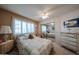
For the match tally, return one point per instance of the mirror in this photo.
(51, 27)
(48, 27)
(43, 28)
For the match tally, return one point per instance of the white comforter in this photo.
(36, 46)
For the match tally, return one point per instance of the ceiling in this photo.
(33, 11)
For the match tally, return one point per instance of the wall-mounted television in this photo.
(71, 23)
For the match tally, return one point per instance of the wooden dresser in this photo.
(70, 41)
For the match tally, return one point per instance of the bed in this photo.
(35, 46)
(52, 35)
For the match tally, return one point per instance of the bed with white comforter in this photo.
(36, 46)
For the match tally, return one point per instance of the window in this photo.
(17, 27)
(28, 26)
(43, 28)
(32, 27)
(21, 27)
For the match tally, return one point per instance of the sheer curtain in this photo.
(22, 27)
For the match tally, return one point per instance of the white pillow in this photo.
(26, 36)
(22, 37)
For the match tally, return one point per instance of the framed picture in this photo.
(71, 23)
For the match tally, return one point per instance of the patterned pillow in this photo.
(30, 36)
(1, 40)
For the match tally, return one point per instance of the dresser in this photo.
(70, 41)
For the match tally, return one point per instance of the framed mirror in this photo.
(51, 27)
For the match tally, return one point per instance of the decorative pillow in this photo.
(1, 39)
(26, 36)
(34, 35)
(42, 36)
(22, 37)
(30, 36)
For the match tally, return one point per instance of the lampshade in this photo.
(5, 30)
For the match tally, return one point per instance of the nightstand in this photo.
(6, 46)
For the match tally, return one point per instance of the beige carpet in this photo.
(61, 51)
(58, 50)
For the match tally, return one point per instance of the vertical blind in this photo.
(22, 27)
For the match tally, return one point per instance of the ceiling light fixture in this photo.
(44, 15)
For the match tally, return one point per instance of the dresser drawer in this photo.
(69, 46)
(70, 43)
(69, 39)
(78, 43)
(69, 35)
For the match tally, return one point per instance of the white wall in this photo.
(59, 23)
(71, 15)
(50, 28)
(48, 21)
